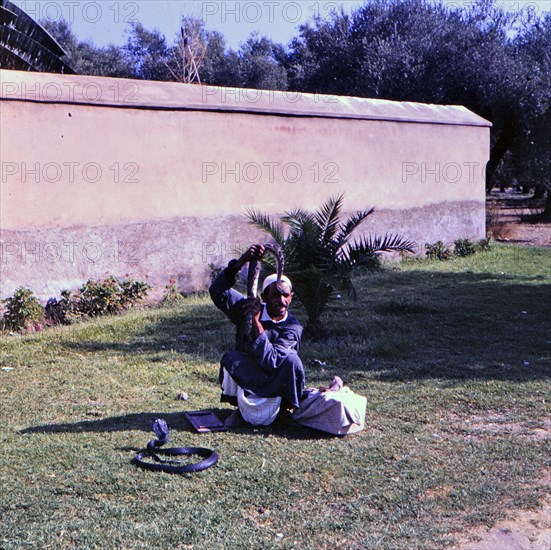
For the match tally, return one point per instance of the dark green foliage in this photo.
(99, 297)
(133, 292)
(463, 247)
(437, 251)
(319, 257)
(148, 53)
(528, 163)
(63, 311)
(25, 45)
(109, 296)
(88, 59)
(22, 310)
(93, 299)
(257, 65)
(96, 298)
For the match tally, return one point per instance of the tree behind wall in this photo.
(87, 59)
(495, 63)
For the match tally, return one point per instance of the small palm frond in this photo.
(362, 252)
(26, 45)
(303, 246)
(327, 217)
(388, 243)
(264, 222)
(296, 219)
(350, 225)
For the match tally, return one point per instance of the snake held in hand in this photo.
(252, 283)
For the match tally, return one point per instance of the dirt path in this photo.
(523, 530)
(532, 234)
(512, 217)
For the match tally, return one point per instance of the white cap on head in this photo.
(273, 279)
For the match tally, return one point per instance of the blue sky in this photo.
(106, 21)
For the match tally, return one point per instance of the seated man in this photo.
(264, 373)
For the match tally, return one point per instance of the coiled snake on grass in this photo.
(253, 275)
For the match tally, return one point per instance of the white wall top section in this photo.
(141, 94)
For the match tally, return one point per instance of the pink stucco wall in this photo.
(152, 179)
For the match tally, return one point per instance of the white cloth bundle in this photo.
(336, 412)
(258, 411)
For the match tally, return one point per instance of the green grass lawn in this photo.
(453, 357)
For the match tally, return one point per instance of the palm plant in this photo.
(27, 46)
(319, 256)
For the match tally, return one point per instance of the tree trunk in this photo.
(504, 141)
(546, 214)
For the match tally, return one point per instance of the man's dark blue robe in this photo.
(269, 366)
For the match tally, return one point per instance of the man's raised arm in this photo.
(221, 292)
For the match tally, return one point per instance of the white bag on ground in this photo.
(336, 412)
(258, 411)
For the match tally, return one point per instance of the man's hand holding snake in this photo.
(254, 307)
(255, 252)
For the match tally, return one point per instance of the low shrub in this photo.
(463, 247)
(63, 311)
(171, 295)
(99, 297)
(109, 296)
(96, 298)
(133, 292)
(93, 299)
(22, 310)
(437, 251)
